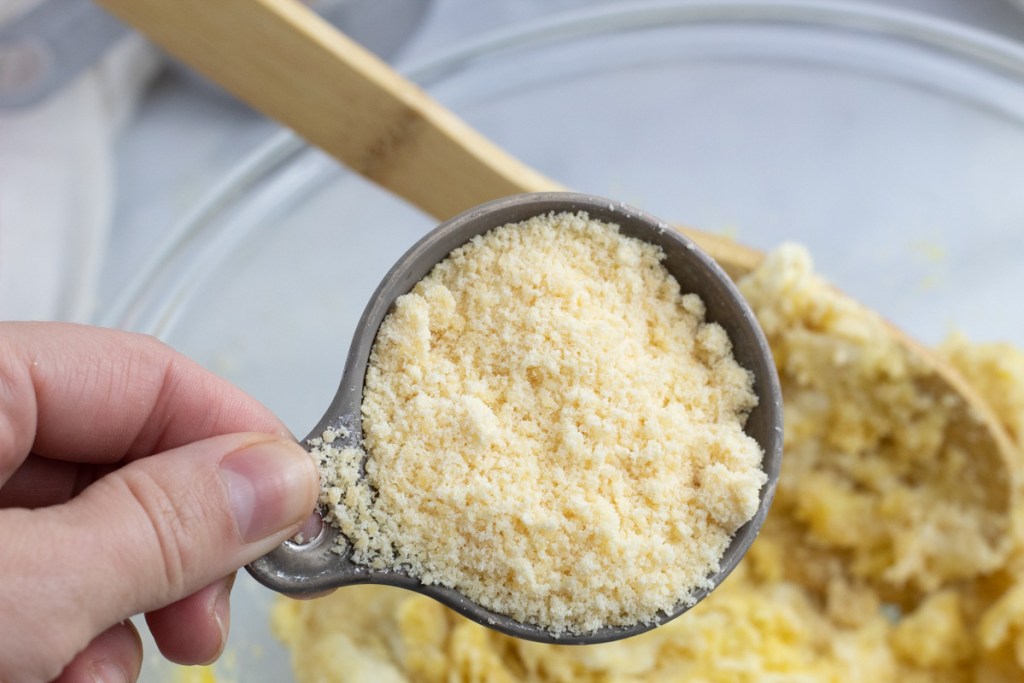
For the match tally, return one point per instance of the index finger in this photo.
(86, 394)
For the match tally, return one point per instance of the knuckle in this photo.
(173, 525)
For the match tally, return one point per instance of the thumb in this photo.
(163, 527)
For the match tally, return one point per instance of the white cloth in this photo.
(56, 184)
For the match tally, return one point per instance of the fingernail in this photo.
(270, 488)
(108, 672)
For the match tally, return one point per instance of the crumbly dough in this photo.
(876, 473)
(853, 583)
(553, 429)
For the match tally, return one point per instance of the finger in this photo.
(41, 481)
(171, 524)
(147, 535)
(87, 394)
(193, 630)
(114, 656)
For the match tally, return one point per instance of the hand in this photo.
(131, 481)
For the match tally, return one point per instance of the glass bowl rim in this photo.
(974, 45)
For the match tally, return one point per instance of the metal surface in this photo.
(315, 567)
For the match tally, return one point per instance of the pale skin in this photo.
(132, 481)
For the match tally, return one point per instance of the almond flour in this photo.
(812, 600)
(552, 428)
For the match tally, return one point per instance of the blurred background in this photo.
(105, 144)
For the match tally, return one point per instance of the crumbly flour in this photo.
(552, 428)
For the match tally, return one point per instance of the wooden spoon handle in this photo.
(290, 64)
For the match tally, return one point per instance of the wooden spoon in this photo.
(285, 61)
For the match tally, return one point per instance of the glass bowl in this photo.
(889, 143)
